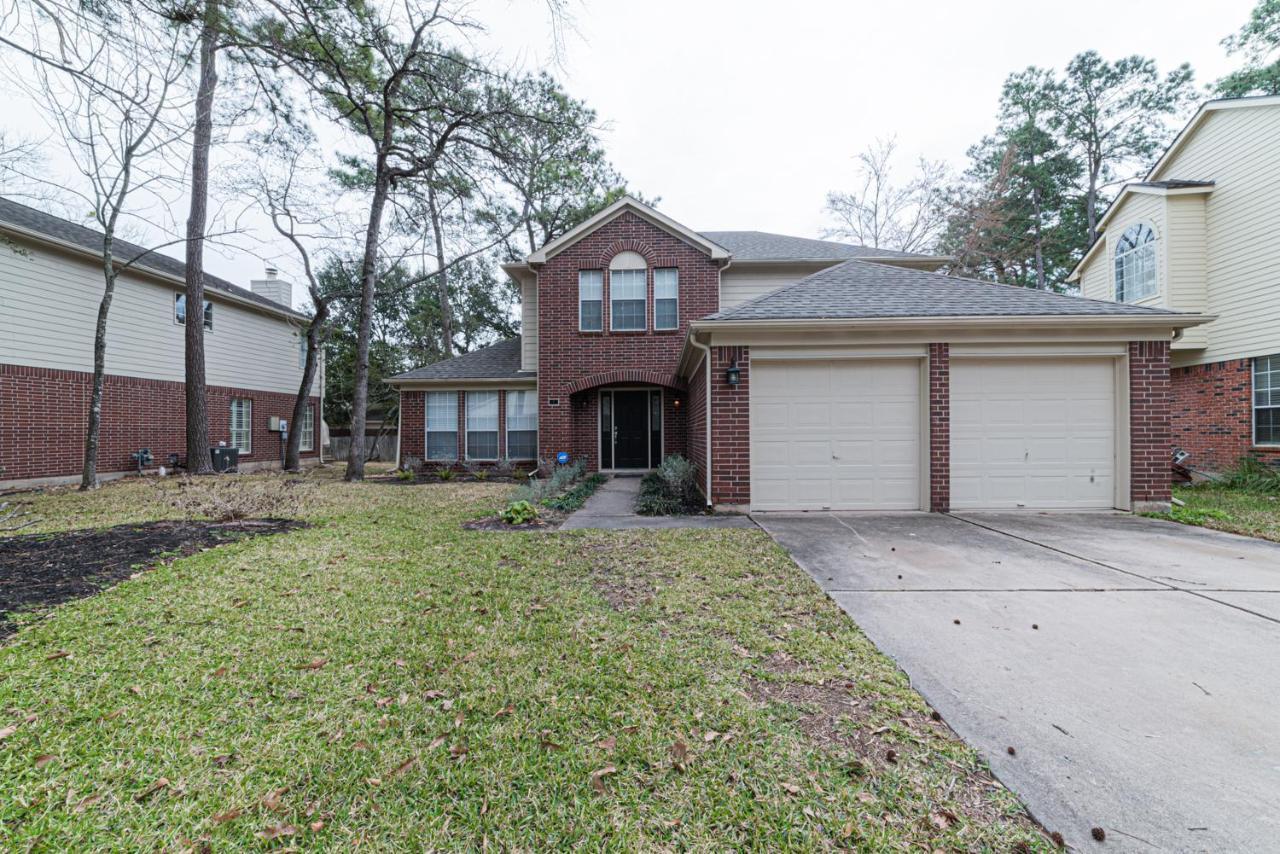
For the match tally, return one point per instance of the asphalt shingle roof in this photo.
(764, 246)
(497, 361)
(858, 289)
(38, 221)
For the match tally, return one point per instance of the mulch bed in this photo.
(42, 570)
(422, 479)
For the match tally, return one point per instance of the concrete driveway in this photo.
(1133, 664)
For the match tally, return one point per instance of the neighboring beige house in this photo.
(1201, 234)
(50, 287)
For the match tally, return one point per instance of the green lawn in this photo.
(389, 680)
(1234, 510)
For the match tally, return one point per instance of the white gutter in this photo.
(706, 360)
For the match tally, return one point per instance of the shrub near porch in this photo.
(388, 679)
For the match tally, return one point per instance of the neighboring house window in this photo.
(1266, 400)
(1136, 264)
(442, 425)
(590, 300)
(242, 424)
(666, 298)
(626, 300)
(180, 311)
(482, 425)
(302, 351)
(308, 440)
(522, 425)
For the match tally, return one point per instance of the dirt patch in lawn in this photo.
(833, 718)
(618, 582)
(546, 522)
(42, 570)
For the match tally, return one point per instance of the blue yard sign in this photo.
(562, 458)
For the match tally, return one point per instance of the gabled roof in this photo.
(495, 362)
(1206, 109)
(765, 246)
(640, 209)
(37, 224)
(1174, 187)
(861, 289)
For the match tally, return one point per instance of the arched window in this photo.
(627, 292)
(1136, 264)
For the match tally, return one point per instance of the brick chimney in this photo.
(274, 288)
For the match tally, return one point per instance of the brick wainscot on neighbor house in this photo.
(804, 374)
(1201, 234)
(50, 287)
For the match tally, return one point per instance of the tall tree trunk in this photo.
(198, 458)
(315, 339)
(1091, 198)
(368, 279)
(89, 475)
(442, 277)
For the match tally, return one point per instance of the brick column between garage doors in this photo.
(939, 428)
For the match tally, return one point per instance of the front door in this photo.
(631, 429)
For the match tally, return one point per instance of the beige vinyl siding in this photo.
(1184, 259)
(529, 325)
(1237, 149)
(743, 282)
(48, 310)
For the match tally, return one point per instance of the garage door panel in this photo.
(855, 447)
(1033, 433)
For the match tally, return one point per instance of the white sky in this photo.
(743, 115)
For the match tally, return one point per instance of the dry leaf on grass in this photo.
(85, 803)
(224, 817)
(314, 664)
(607, 743)
(62, 653)
(8, 731)
(597, 778)
(44, 759)
(276, 831)
(162, 783)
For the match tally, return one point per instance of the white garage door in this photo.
(835, 435)
(1032, 433)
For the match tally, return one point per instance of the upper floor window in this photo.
(628, 292)
(1136, 264)
(180, 311)
(590, 300)
(666, 298)
(1266, 400)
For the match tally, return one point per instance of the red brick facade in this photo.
(1150, 438)
(573, 365)
(939, 428)
(1213, 414)
(413, 429)
(730, 427)
(43, 416)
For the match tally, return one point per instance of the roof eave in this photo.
(456, 382)
(573, 235)
(1160, 321)
(1114, 208)
(142, 270)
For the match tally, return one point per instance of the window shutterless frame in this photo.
(242, 424)
(180, 312)
(633, 283)
(666, 298)
(1265, 401)
(307, 442)
(590, 300)
(441, 420)
(482, 426)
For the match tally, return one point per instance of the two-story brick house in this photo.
(806, 374)
(1200, 234)
(50, 288)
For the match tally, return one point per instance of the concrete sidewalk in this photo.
(613, 508)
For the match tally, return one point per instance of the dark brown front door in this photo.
(631, 429)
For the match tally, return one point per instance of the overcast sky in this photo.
(743, 115)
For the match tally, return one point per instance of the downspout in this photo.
(706, 360)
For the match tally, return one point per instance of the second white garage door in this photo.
(835, 435)
(1035, 433)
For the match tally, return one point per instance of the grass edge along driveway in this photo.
(389, 680)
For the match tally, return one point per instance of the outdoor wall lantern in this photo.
(733, 375)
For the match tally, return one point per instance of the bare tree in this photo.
(110, 90)
(884, 214)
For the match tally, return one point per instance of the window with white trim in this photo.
(1266, 400)
(482, 425)
(242, 424)
(180, 311)
(442, 425)
(590, 300)
(522, 425)
(666, 298)
(1136, 264)
(302, 351)
(626, 300)
(308, 440)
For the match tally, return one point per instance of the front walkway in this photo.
(1115, 671)
(613, 507)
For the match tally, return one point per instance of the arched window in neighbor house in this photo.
(1136, 264)
(628, 292)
